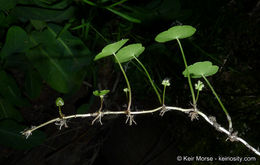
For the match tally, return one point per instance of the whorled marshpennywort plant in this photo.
(101, 95)
(131, 52)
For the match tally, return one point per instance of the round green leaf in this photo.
(110, 49)
(201, 68)
(128, 52)
(180, 32)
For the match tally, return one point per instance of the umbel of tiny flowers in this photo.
(198, 86)
(165, 83)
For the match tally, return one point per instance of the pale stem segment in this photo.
(164, 89)
(232, 136)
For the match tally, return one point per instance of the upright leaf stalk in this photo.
(189, 79)
(221, 104)
(127, 82)
(151, 81)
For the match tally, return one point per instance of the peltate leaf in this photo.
(128, 52)
(110, 49)
(201, 68)
(180, 32)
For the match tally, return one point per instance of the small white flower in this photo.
(125, 90)
(199, 86)
(166, 82)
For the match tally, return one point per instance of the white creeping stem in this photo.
(231, 136)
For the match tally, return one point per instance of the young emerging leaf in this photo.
(180, 32)
(101, 93)
(104, 92)
(110, 49)
(96, 93)
(128, 52)
(201, 68)
(59, 102)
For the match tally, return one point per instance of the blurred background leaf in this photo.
(33, 84)
(16, 41)
(9, 90)
(27, 13)
(6, 5)
(60, 58)
(8, 111)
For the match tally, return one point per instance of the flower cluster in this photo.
(166, 82)
(199, 86)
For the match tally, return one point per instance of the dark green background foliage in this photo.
(47, 49)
